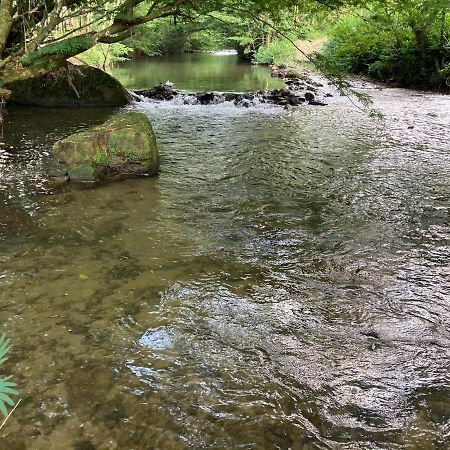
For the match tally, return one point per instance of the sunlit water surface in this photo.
(283, 284)
(196, 72)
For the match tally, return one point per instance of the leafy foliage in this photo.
(103, 55)
(6, 386)
(166, 37)
(409, 45)
(279, 50)
(68, 47)
(38, 36)
(405, 41)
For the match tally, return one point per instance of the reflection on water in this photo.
(196, 72)
(156, 338)
(283, 283)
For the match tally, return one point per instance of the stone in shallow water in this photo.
(309, 96)
(205, 98)
(83, 445)
(124, 145)
(160, 92)
(370, 332)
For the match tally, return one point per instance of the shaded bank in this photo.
(70, 86)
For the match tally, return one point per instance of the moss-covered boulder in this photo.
(70, 86)
(123, 146)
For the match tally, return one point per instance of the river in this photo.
(195, 72)
(283, 284)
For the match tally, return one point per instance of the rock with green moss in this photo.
(70, 86)
(123, 146)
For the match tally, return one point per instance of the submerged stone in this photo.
(230, 96)
(125, 145)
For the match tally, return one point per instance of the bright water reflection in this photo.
(196, 72)
(283, 284)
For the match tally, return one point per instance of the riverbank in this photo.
(306, 47)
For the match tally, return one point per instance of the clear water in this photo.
(196, 72)
(283, 284)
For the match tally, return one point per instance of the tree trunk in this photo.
(268, 39)
(419, 34)
(6, 21)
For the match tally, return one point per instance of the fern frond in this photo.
(4, 398)
(6, 386)
(4, 347)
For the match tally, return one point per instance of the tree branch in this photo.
(117, 38)
(119, 25)
(53, 19)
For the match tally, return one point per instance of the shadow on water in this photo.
(28, 134)
(283, 283)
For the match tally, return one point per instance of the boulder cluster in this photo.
(301, 89)
(301, 84)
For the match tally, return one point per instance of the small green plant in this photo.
(99, 157)
(279, 50)
(6, 386)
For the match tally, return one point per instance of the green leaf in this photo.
(6, 386)
(5, 399)
(7, 390)
(3, 409)
(4, 347)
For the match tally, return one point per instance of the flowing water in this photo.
(283, 284)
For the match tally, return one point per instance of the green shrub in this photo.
(279, 50)
(391, 48)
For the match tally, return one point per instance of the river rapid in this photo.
(283, 284)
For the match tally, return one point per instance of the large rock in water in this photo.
(125, 145)
(70, 86)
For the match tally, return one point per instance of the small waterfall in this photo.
(276, 97)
